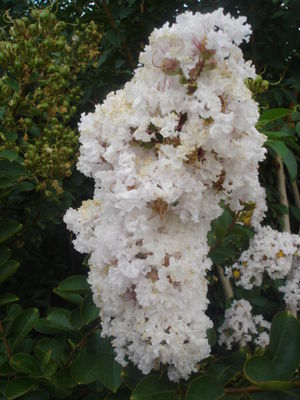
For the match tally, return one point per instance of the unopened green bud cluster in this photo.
(41, 59)
(257, 85)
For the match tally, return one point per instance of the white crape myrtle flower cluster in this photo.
(163, 152)
(241, 326)
(273, 254)
(291, 289)
(270, 252)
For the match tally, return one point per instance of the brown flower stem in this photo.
(80, 344)
(5, 342)
(113, 24)
(253, 388)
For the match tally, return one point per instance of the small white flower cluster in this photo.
(291, 289)
(242, 327)
(270, 252)
(163, 152)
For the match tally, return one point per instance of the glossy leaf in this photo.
(71, 297)
(23, 324)
(75, 284)
(260, 371)
(153, 388)
(85, 369)
(11, 169)
(60, 318)
(18, 387)
(89, 311)
(45, 345)
(25, 363)
(284, 345)
(286, 155)
(224, 369)
(64, 379)
(8, 269)
(7, 298)
(5, 253)
(8, 229)
(273, 114)
(204, 388)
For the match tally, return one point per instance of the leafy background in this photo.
(51, 346)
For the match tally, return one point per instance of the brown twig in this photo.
(81, 343)
(5, 342)
(253, 388)
(113, 24)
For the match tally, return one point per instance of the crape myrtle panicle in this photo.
(165, 151)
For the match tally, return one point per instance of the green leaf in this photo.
(89, 311)
(284, 345)
(25, 187)
(23, 324)
(64, 379)
(75, 284)
(61, 318)
(286, 155)
(96, 386)
(2, 111)
(85, 369)
(35, 130)
(131, 375)
(260, 371)
(5, 368)
(296, 212)
(26, 346)
(77, 319)
(109, 370)
(275, 135)
(7, 298)
(211, 336)
(297, 127)
(11, 169)
(219, 227)
(9, 155)
(153, 388)
(26, 363)
(37, 395)
(8, 229)
(18, 387)
(115, 37)
(45, 345)
(48, 366)
(6, 182)
(71, 297)
(224, 369)
(5, 253)
(12, 83)
(272, 115)
(8, 269)
(48, 328)
(204, 388)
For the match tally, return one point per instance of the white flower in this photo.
(163, 152)
(269, 252)
(242, 327)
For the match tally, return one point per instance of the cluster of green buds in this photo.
(257, 85)
(41, 60)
